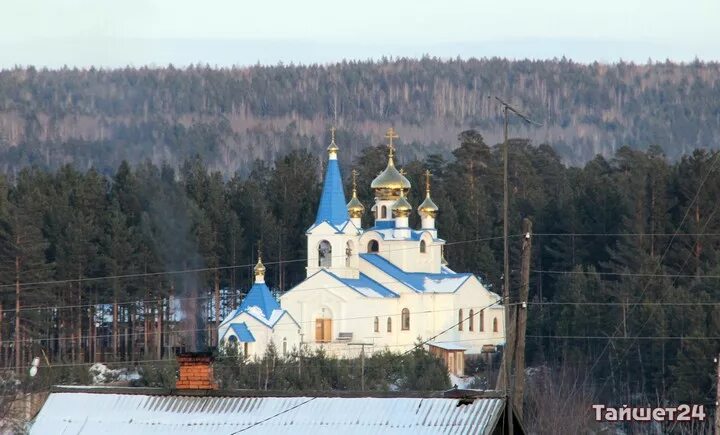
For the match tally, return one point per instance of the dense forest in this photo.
(624, 277)
(98, 118)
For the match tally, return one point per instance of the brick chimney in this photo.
(196, 371)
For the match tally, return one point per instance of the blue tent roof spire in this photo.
(332, 201)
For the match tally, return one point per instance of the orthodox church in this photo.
(378, 288)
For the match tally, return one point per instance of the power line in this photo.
(659, 265)
(620, 337)
(142, 333)
(648, 275)
(273, 416)
(207, 269)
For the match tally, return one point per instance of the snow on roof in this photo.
(121, 414)
(367, 286)
(444, 282)
(267, 321)
(242, 332)
(259, 296)
(448, 345)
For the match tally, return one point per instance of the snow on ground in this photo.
(101, 374)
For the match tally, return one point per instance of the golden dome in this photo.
(390, 181)
(401, 207)
(355, 207)
(333, 148)
(428, 206)
(259, 267)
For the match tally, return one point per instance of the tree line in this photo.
(98, 118)
(624, 266)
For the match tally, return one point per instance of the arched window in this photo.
(245, 349)
(460, 320)
(376, 325)
(481, 321)
(405, 321)
(325, 254)
(373, 246)
(389, 328)
(423, 246)
(495, 324)
(348, 253)
(383, 212)
(471, 325)
(284, 345)
(232, 339)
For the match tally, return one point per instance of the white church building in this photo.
(378, 288)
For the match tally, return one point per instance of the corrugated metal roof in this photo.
(124, 414)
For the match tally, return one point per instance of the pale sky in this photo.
(239, 32)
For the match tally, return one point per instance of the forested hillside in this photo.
(97, 118)
(625, 263)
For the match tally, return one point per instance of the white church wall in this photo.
(339, 243)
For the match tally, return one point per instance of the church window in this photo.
(373, 246)
(325, 254)
(460, 320)
(389, 328)
(481, 321)
(245, 349)
(284, 346)
(495, 325)
(232, 339)
(377, 324)
(405, 324)
(423, 246)
(383, 212)
(323, 330)
(471, 325)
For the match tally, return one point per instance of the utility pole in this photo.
(521, 316)
(362, 362)
(717, 397)
(505, 373)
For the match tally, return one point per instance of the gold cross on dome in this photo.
(354, 179)
(332, 133)
(427, 181)
(390, 135)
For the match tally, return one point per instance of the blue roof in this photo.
(242, 332)
(365, 283)
(444, 282)
(383, 225)
(259, 296)
(332, 206)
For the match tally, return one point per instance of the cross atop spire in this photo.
(354, 181)
(259, 268)
(390, 135)
(333, 148)
(427, 182)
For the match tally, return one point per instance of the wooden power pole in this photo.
(717, 397)
(521, 316)
(504, 377)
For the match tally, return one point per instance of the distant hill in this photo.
(233, 116)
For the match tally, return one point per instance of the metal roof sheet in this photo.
(332, 200)
(444, 282)
(242, 332)
(123, 414)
